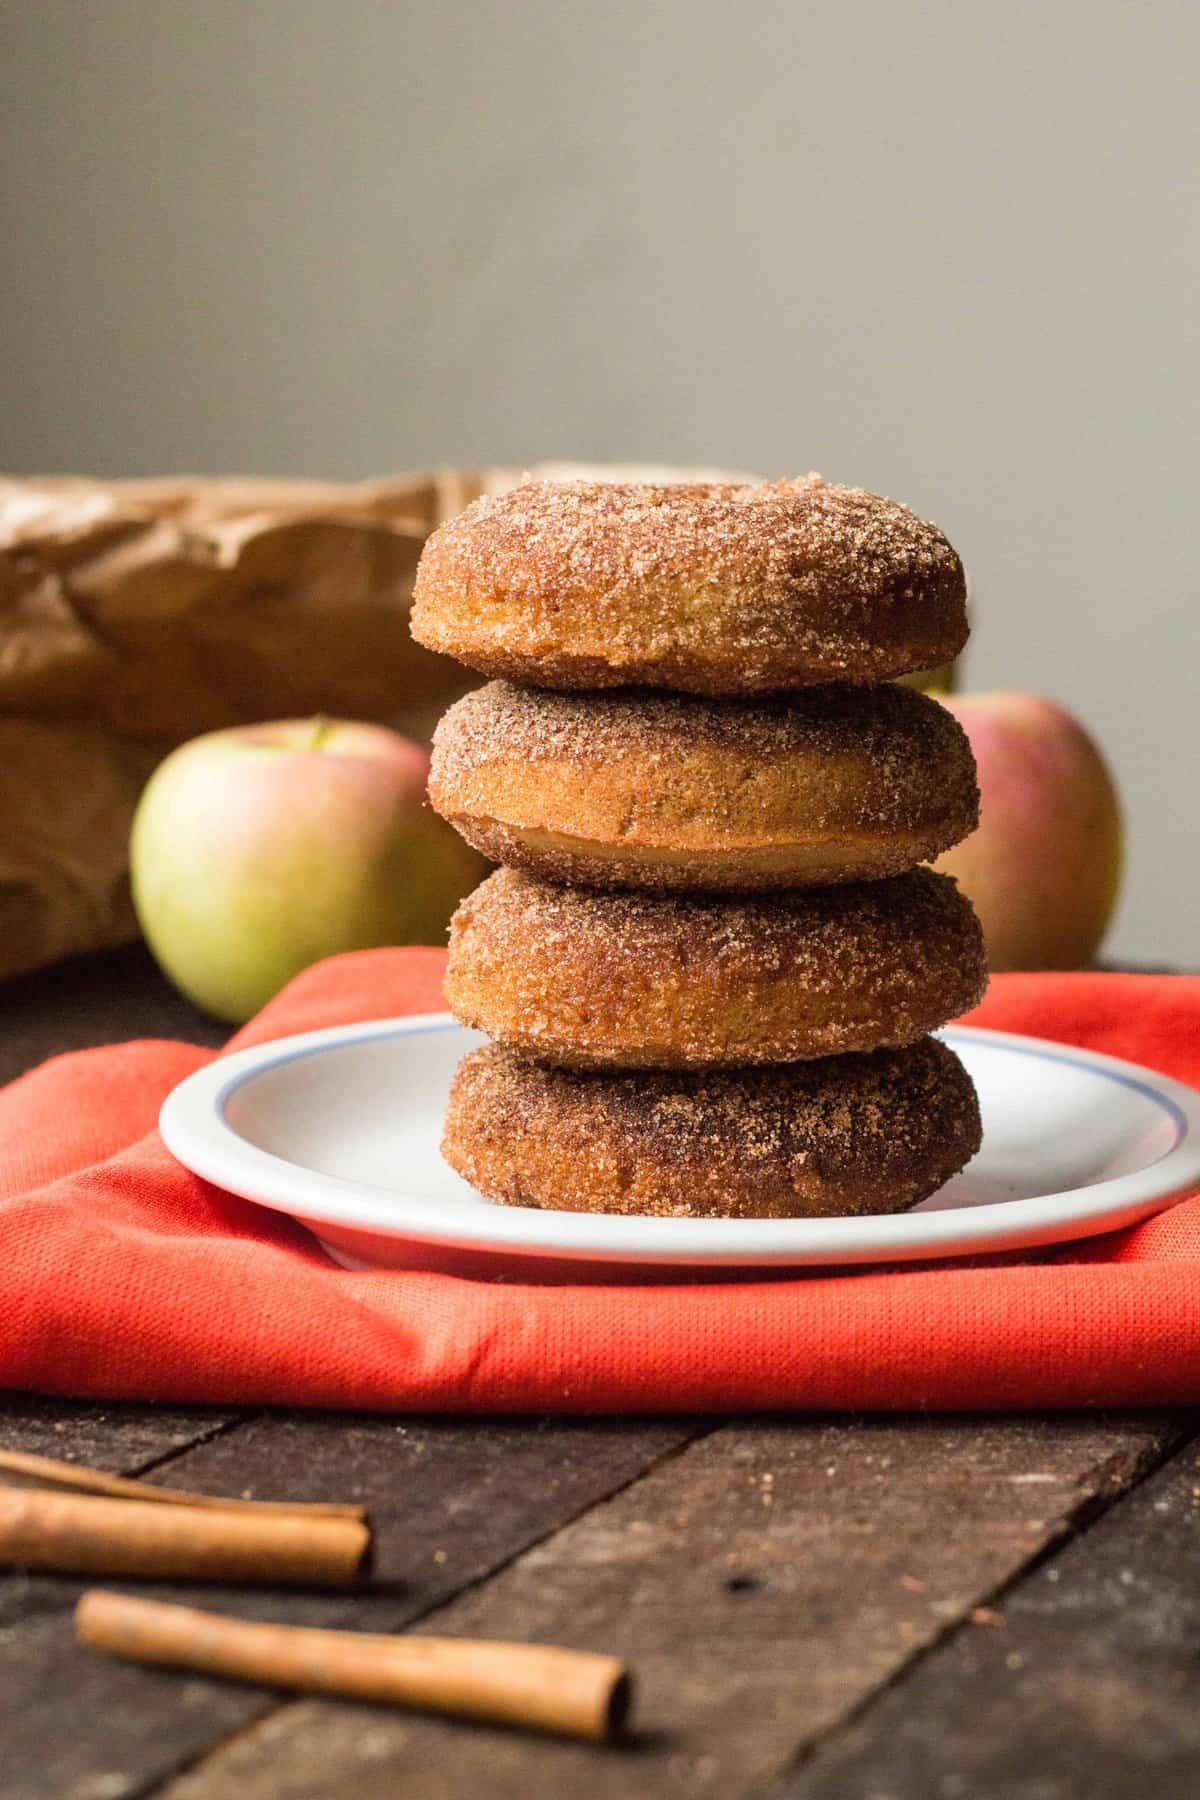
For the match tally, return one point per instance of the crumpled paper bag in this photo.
(136, 614)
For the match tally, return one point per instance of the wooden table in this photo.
(844, 1608)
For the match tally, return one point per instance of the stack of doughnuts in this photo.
(710, 960)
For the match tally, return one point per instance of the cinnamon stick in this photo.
(138, 1537)
(536, 1685)
(49, 1470)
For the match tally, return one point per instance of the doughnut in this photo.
(711, 588)
(863, 1133)
(643, 981)
(669, 791)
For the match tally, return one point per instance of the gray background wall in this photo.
(944, 248)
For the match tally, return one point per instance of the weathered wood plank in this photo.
(450, 1502)
(1090, 1686)
(123, 1440)
(95, 1000)
(760, 1583)
(126, 1440)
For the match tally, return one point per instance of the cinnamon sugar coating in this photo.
(707, 589)
(848, 1134)
(636, 789)
(640, 981)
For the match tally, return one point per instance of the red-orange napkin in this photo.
(123, 1276)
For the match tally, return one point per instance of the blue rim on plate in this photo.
(196, 1127)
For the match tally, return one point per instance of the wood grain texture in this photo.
(1086, 1684)
(760, 1584)
(123, 1440)
(450, 1501)
(55, 1475)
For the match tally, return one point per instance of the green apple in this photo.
(258, 850)
(1044, 867)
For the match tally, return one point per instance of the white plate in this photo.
(340, 1129)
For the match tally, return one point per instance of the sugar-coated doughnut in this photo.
(709, 589)
(846, 1134)
(641, 981)
(645, 790)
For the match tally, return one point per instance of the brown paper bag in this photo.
(136, 614)
(67, 795)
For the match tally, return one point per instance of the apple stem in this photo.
(321, 729)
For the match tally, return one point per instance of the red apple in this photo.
(1044, 867)
(258, 850)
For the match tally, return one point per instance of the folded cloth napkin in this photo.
(123, 1276)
